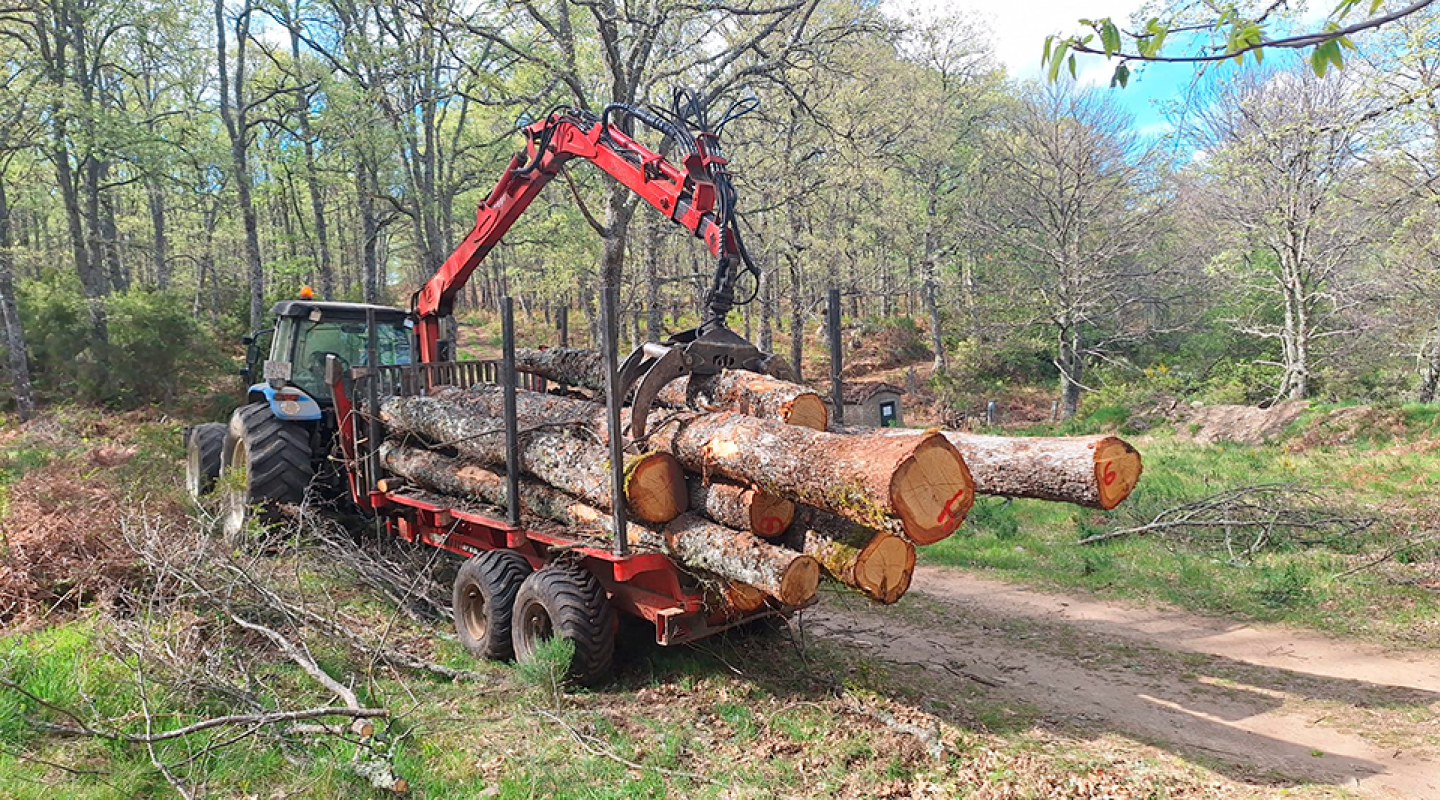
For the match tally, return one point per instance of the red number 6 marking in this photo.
(1107, 474)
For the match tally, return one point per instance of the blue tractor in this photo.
(278, 445)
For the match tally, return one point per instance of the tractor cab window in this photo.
(349, 341)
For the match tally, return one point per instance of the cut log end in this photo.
(807, 411)
(933, 491)
(1117, 470)
(800, 581)
(770, 516)
(742, 598)
(655, 487)
(885, 567)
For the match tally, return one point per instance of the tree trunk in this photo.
(874, 563)
(10, 316)
(1072, 366)
(797, 323)
(788, 576)
(914, 477)
(155, 196)
(931, 288)
(1091, 471)
(1431, 377)
(365, 181)
(741, 507)
(233, 112)
(654, 489)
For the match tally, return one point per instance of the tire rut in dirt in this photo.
(577, 608)
(484, 598)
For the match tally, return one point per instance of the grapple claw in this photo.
(694, 352)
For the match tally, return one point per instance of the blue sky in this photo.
(1016, 31)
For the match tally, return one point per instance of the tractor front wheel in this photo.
(203, 456)
(565, 600)
(267, 462)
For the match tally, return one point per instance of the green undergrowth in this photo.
(1391, 477)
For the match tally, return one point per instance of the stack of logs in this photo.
(740, 478)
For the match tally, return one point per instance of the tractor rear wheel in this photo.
(485, 589)
(565, 600)
(272, 459)
(203, 456)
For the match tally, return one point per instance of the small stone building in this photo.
(874, 405)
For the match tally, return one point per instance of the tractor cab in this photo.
(288, 361)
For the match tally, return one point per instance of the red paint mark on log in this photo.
(1108, 475)
(949, 512)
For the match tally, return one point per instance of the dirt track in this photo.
(1266, 706)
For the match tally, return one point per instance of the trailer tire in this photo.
(484, 599)
(565, 600)
(275, 457)
(203, 455)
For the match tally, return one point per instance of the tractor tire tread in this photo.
(499, 574)
(580, 611)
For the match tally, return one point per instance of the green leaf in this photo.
(1109, 37)
(1158, 41)
(1259, 55)
(1319, 61)
(1346, 43)
(1072, 67)
(1121, 77)
(1045, 57)
(1057, 58)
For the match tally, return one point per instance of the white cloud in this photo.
(1019, 27)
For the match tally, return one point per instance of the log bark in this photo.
(654, 489)
(1091, 471)
(748, 393)
(790, 577)
(875, 563)
(573, 366)
(915, 477)
(742, 507)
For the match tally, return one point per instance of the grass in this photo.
(1393, 476)
(756, 716)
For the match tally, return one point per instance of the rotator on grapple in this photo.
(697, 194)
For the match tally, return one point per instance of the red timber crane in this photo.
(696, 194)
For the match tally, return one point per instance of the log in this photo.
(788, 576)
(654, 487)
(572, 366)
(877, 564)
(742, 507)
(584, 368)
(1091, 471)
(915, 477)
(748, 393)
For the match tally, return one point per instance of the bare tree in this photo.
(1069, 204)
(1279, 150)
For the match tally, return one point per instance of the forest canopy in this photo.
(168, 171)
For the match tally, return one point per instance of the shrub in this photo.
(155, 346)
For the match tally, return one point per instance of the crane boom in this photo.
(686, 193)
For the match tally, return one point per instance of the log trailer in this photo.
(521, 583)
